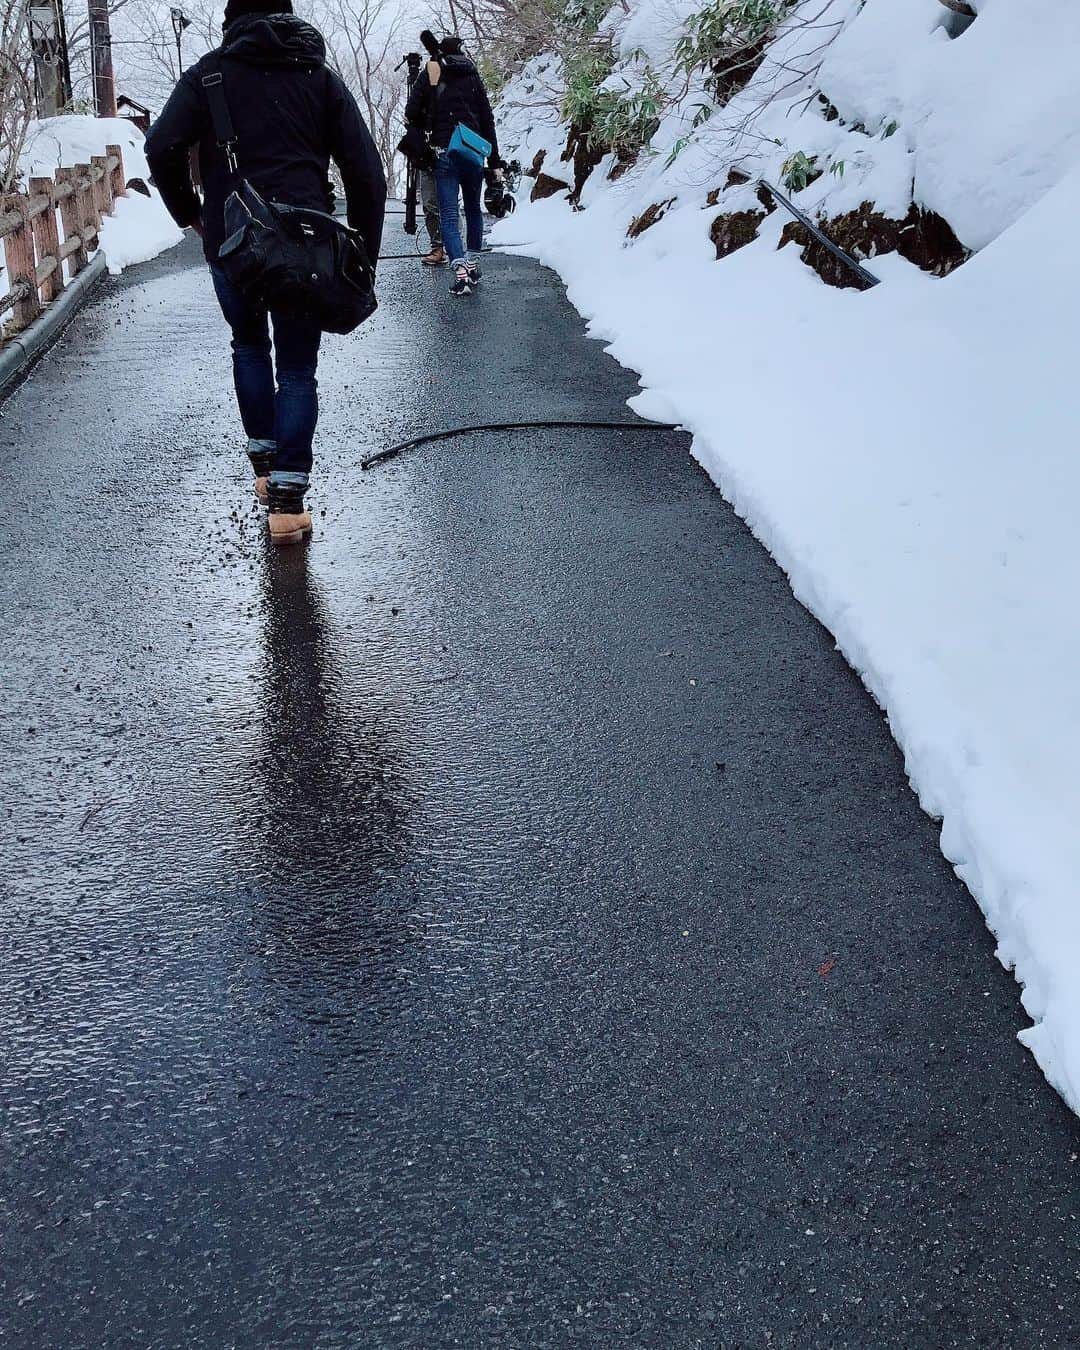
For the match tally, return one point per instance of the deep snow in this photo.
(909, 455)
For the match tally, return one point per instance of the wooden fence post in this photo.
(46, 237)
(102, 185)
(71, 221)
(89, 220)
(119, 182)
(19, 258)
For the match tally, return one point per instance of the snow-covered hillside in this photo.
(910, 454)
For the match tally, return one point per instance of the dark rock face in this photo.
(648, 218)
(734, 229)
(546, 186)
(624, 161)
(585, 152)
(922, 237)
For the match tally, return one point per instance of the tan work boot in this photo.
(289, 527)
(260, 489)
(436, 258)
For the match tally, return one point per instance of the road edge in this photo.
(24, 349)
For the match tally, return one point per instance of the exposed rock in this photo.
(546, 186)
(713, 197)
(586, 154)
(764, 196)
(922, 237)
(929, 241)
(624, 161)
(734, 229)
(534, 168)
(732, 74)
(829, 268)
(736, 178)
(138, 185)
(648, 218)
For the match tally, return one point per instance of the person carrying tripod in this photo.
(290, 116)
(451, 104)
(421, 178)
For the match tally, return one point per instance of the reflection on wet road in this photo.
(417, 939)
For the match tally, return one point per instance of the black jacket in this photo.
(291, 116)
(460, 96)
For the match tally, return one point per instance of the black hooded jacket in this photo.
(291, 116)
(459, 97)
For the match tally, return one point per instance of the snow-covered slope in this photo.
(992, 119)
(908, 454)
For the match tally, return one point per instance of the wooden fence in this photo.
(34, 251)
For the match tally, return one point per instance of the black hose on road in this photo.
(543, 425)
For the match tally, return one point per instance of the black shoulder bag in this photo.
(415, 146)
(291, 258)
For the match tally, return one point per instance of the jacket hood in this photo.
(457, 67)
(273, 40)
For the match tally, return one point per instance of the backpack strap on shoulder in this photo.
(224, 131)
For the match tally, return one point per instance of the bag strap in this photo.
(224, 131)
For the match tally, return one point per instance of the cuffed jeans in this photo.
(283, 415)
(454, 173)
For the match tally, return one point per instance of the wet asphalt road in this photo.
(504, 922)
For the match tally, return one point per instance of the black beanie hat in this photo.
(236, 9)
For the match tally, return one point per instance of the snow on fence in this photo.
(72, 202)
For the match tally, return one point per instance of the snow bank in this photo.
(140, 228)
(917, 473)
(57, 142)
(994, 116)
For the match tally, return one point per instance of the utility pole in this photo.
(101, 59)
(48, 42)
(65, 56)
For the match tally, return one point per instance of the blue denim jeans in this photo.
(285, 414)
(454, 173)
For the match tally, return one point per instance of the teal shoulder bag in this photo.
(469, 146)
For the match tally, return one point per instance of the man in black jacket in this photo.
(451, 94)
(292, 116)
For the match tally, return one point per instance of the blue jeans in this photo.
(452, 173)
(284, 415)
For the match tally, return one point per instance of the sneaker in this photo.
(436, 258)
(462, 281)
(473, 269)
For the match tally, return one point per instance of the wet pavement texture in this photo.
(502, 922)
